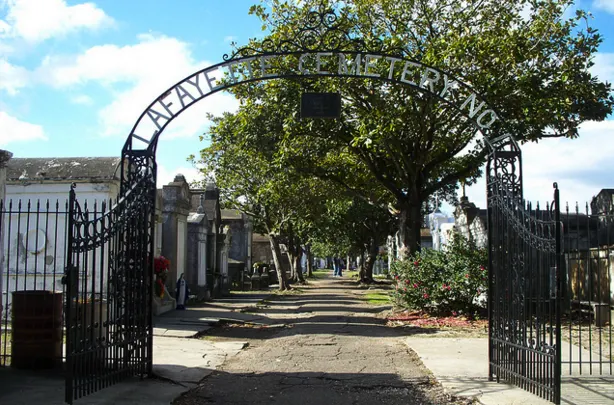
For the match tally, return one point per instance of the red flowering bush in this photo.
(442, 281)
(161, 267)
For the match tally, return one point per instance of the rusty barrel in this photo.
(36, 329)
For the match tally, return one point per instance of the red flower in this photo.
(161, 264)
(415, 285)
(425, 295)
(406, 281)
(404, 288)
(416, 263)
(454, 313)
(467, 275)
(396, 277)
(482, 268)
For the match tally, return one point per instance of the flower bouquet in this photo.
(161, 268)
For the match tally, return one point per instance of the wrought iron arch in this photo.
(127, 230)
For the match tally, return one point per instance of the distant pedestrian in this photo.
(337, 267)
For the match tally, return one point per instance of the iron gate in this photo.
(108, 309)
(524, 282)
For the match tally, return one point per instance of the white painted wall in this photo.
(34, 255)
(437, 221)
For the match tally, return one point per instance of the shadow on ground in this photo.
(21, 387)
(315, 388)
(327, 306)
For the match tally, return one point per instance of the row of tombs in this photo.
(213, 248)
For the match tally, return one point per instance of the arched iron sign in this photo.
(126, 232)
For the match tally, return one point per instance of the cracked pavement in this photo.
(334, 349)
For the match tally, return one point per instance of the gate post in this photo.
(69, 281)
(489, 303)
(559, 296)
(5, 156)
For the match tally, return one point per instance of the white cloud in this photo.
(38, 20)
(165, 175)
(604, 66)
(82, 99)
(607, 5)
(148, 67)
(230, 38)
(581, 167)
(14, 130)
(12, 78)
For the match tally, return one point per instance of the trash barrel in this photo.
(36, 324)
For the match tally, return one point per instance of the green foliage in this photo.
(442, 281)
(395, 147)
(377, 298)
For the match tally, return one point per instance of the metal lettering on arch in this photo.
(121, 237)
(280, 65)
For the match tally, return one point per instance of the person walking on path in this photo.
(337, 272)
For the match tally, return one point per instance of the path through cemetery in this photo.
(334, 349)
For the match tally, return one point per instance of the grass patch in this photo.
(293, 291)
(319, 273)
(377, 298)
(5, 351)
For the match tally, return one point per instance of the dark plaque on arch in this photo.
(320, 105)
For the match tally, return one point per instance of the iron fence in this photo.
(588, 255)
(523, 308)
(35, 242)
(34, 258)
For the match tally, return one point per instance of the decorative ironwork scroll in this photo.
(120, 241)
(524, 254)
(321, 30)
(109, 283)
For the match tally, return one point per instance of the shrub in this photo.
(448, 281)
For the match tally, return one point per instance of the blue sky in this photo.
(75, 76)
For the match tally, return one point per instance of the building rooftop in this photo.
(67, 169)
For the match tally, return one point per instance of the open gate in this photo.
(110, 249)
(108, 309)
(524, 280)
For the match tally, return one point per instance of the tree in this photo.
(353, 227)
(533, 69)
(282, 204)
(248, 182)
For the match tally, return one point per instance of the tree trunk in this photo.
(410, 223)
(298, 269)
(291, 261)
(309, 261)
(361, 265)
(370, 261)
(281, 273)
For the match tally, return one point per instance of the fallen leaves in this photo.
(423, 320)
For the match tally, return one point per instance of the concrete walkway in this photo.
(324, 346)
(180, 362)
(334, 349)
(461, 366)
